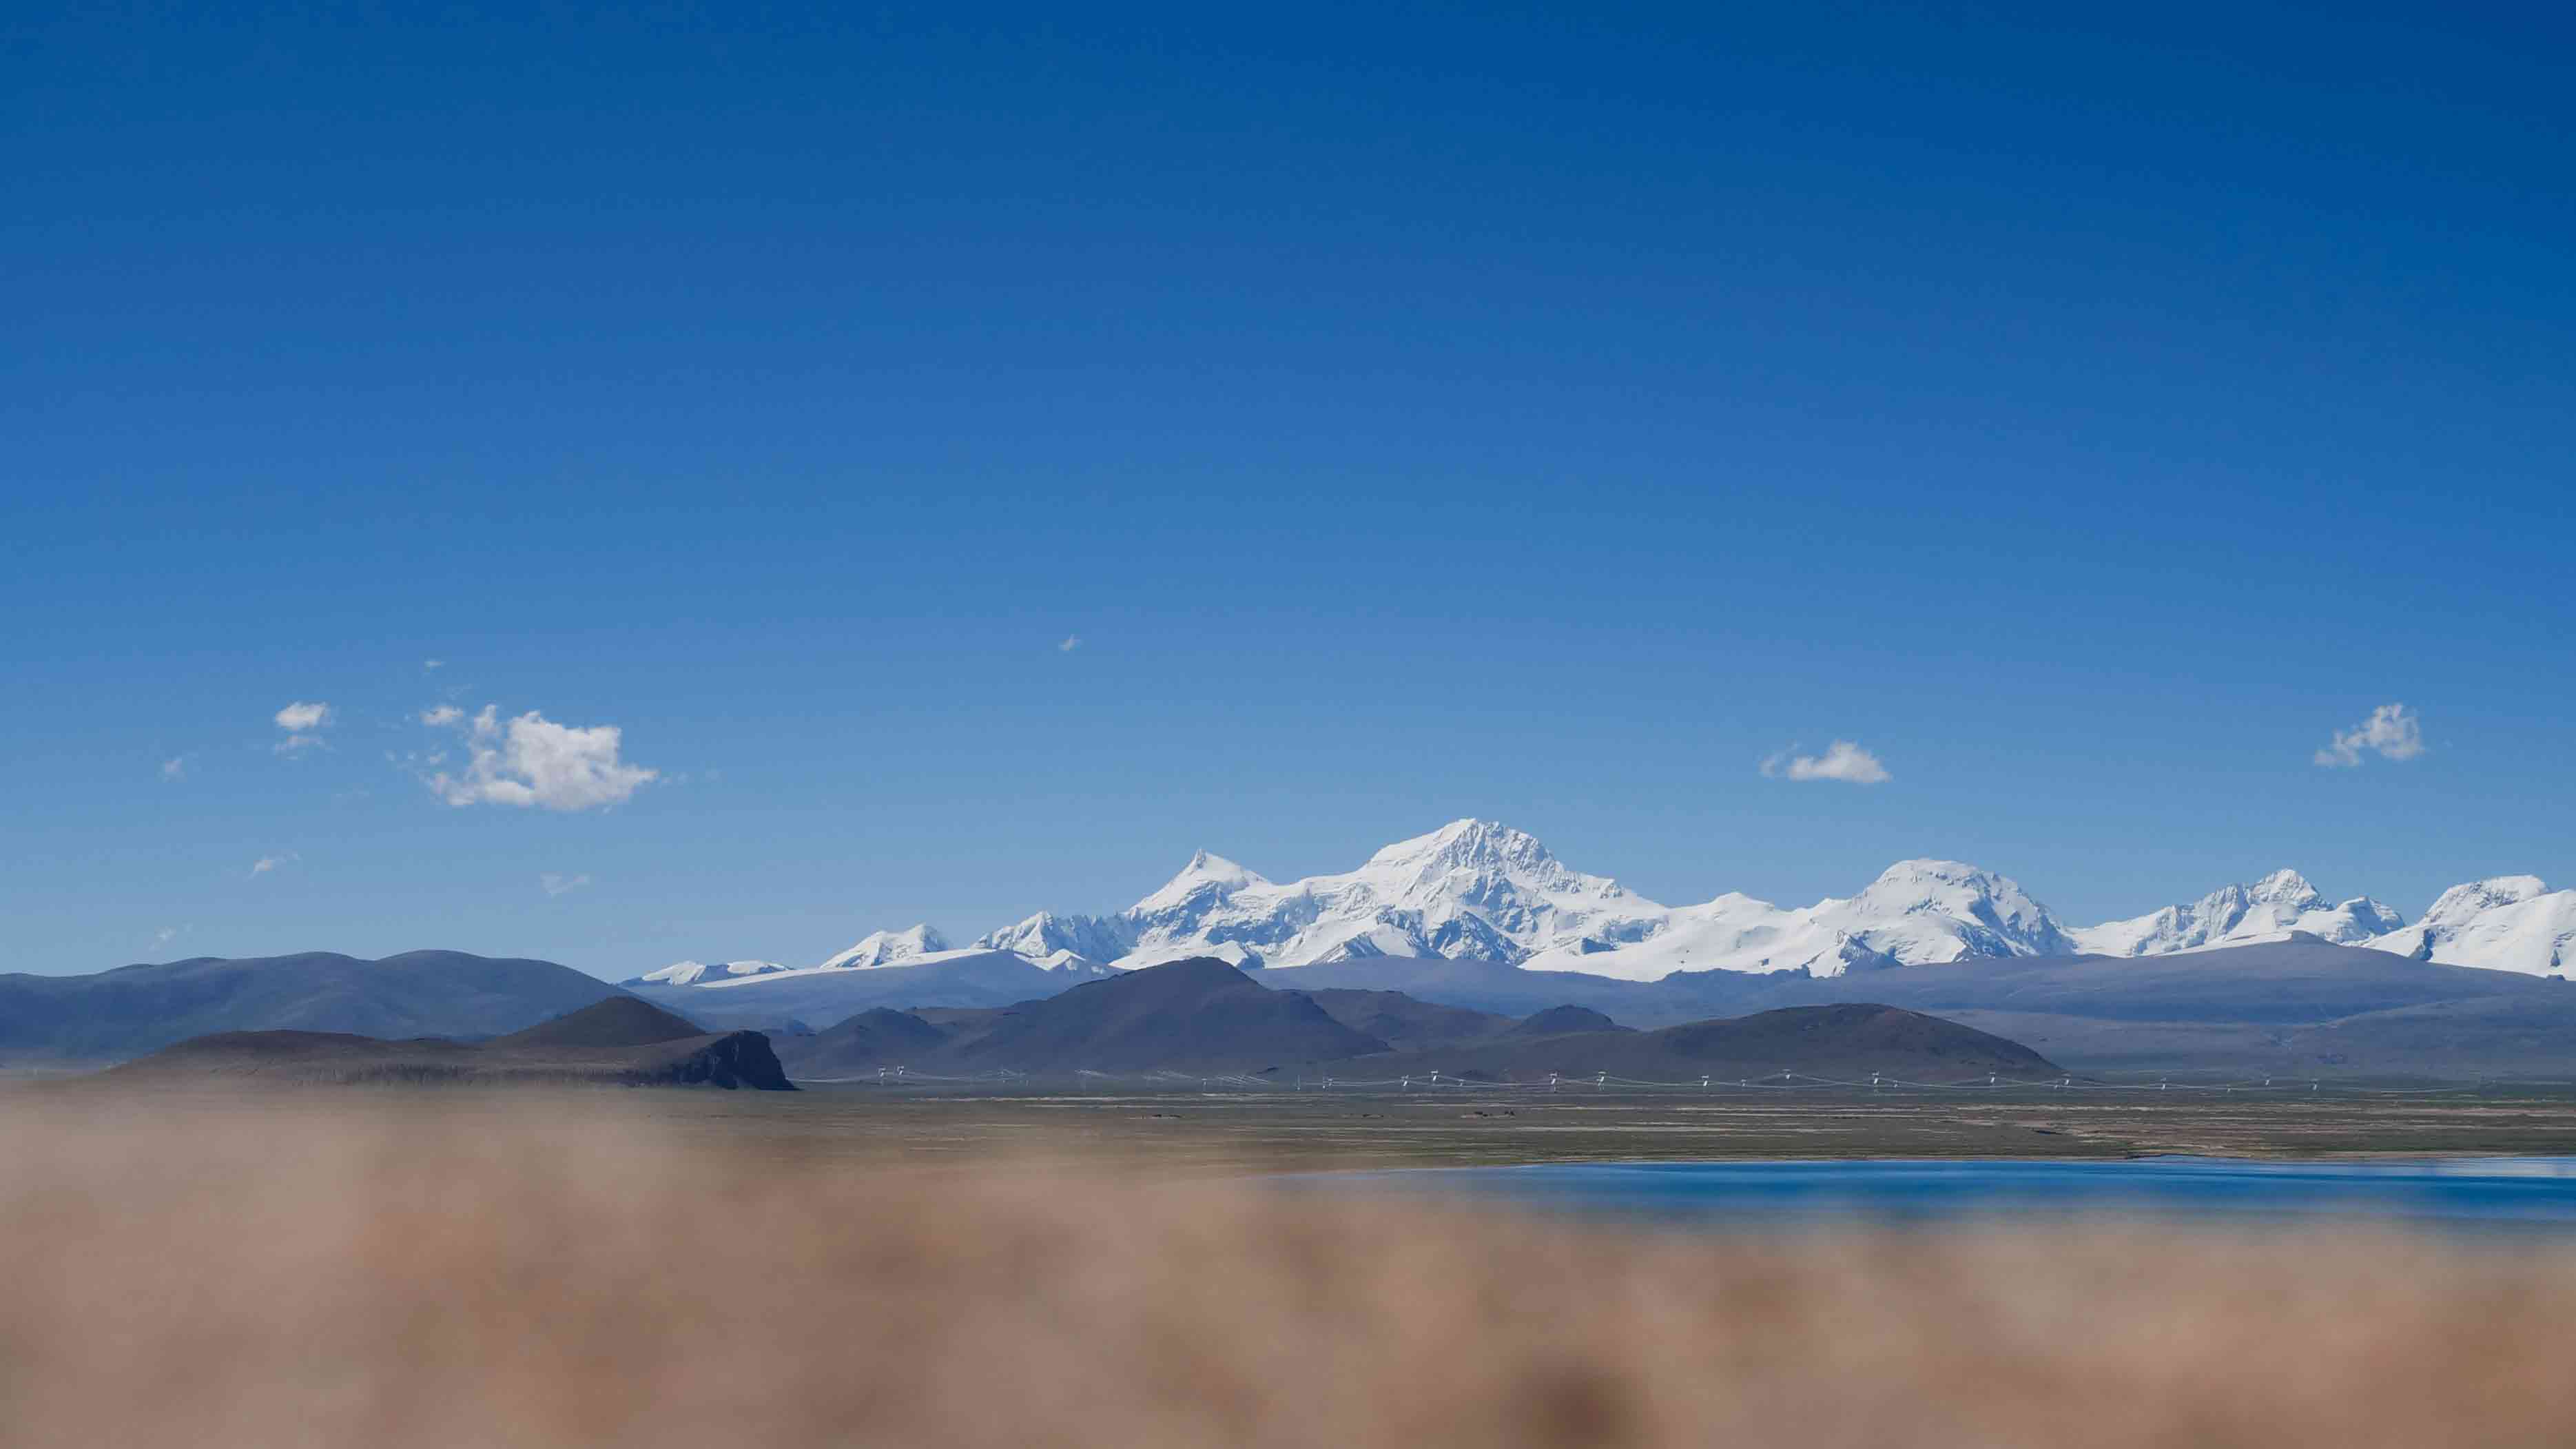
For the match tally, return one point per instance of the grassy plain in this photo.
(1219, 1133)
(463, 1268)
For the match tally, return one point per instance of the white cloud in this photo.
(303, 723)
(531, 760)
(556, 885)
(1070, 644)
(267, 863)
(164, 936)
(433, 664)
(444, 714)
(1842, 760)
(2392, 731)
(175, 768)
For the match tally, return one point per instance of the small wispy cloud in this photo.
(1842, 760)
(1070, 644)
(165, 935)
(433, 664)
(267, 863)
(556, 885)
(303, 723)
(175, 768)
(442, 714)
(531, 760)
(2393, 732)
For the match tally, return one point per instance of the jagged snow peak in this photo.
(1469, 889)
(1916, 912)
(2267, 910)
(1047, 935)
(888, 948)
(2508, 923)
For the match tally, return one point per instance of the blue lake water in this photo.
(2504, 1192)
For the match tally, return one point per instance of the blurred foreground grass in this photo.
(581, 1272)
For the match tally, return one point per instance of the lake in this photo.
(2518, 1192)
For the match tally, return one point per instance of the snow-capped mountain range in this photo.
(1477, 890)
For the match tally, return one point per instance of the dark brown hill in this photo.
(115, 1015)
(628, 1044)
(1196, 1014)
(1405, 1023)
(882, 1037)
(620, 1021)
(1204, 1016)
(1564, 1021)
(1845, 1042)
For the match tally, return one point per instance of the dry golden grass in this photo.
(368, 1278)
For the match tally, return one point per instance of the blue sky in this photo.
(975, 458)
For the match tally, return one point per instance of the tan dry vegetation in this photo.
(587, 1276)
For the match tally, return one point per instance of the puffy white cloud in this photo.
(267, 863)
(2392, 731)
(530, 760)
(1070, 644)
(1842, 760)
(556, 885)
(303, 723)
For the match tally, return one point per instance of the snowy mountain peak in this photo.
(1963, 892)
(690, 973)
(1467, 842)
(2508, 923)
(2285, 886)
(2269, 909)
(1471, 889)
(887, 948)
(1474, 856)
(1207, 878)
(2482, 895)
(1915, 912)
(1046, 936)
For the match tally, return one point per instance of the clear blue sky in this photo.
(1412, 413)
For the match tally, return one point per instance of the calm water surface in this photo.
(2521, 1192)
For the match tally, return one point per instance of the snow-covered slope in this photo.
(2509, 923)
(693, 973)
(2237, 915)
(919, 945)
(1916, 912)
(888, 948)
